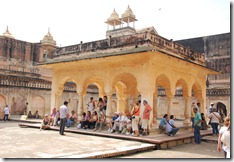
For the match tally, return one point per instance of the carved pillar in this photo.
(121, 105)
(202, 107)
(155, 108)
(126, 103)
(134, 99)
(108, 106)
(80, 105)
(57, 101)
(187, 111)
(169, 106)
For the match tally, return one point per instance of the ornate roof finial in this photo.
(48, 39)
(8, 34)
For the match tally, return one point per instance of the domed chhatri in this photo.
(8, 34)
(114, 20)
(48, 39)
(128, 14)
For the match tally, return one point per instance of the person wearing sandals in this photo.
(135, 118)
(146, 116)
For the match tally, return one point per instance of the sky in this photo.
(72, 21)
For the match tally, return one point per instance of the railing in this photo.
(132, 40)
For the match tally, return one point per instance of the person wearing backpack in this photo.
(215, 118)
(171, 129)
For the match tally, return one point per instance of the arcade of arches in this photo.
(130, 77)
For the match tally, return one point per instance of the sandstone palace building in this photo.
(127, 65)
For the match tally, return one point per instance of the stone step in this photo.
(119, 151)
(161, 141)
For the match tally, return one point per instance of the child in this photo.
(204, 125)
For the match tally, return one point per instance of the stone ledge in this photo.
(155, 139)
(117, 152)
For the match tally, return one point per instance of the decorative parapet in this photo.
(146, 39)
(218, 92)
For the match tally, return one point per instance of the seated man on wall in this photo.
(30, 114)
(72, 119)
(171, 129)
(112, 121)
(163, 123)
(36, 115)
(118, 123)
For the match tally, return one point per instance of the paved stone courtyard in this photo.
(19, 142)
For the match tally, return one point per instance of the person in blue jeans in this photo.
(171, 129)
(163, 123)
(197, 125)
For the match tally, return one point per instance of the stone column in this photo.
(57, 101)
(187, 111)
(155, 108)
(134, 99)
(108, 107)
(80, 106)
(120, 107)
(126, 103)
(202, 107)
(169, 108)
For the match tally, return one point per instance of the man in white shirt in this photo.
(91, 105)
(64, 115)
(118, 122)
(6, 113)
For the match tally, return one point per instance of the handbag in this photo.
(209, 121)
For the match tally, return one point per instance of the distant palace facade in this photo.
(126, 66)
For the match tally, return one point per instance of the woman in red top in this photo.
(135, 118)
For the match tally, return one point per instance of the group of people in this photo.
(217, 116)
(128, 123)
(54, 119)
(167, 124)
(35, 115)
(131, 122)
(101, 105)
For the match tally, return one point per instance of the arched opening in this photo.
(197, 96)
(2, 106)
(92, 87)
(222, 107)
(124, 87)
(70, 94)
(162, 97)
(180, 99)
(92, 90)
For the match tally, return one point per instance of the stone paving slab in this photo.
(19, 142)
(153, 139)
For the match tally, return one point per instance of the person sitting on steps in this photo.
(100, 121)
(171, 129)
(45, 124)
